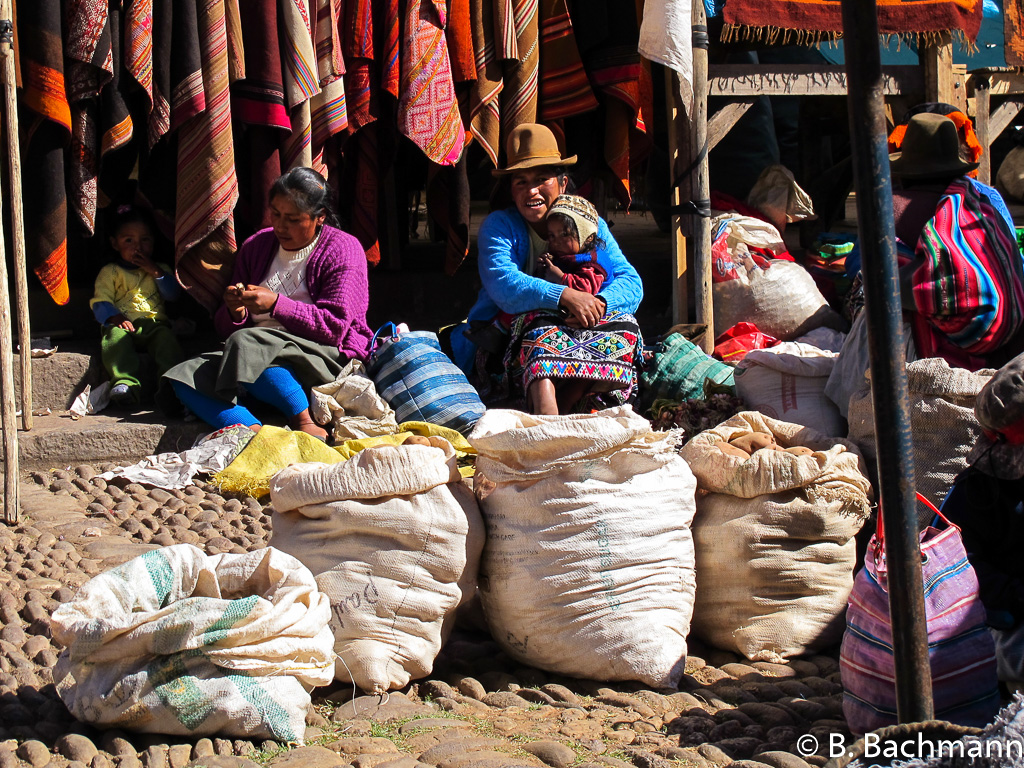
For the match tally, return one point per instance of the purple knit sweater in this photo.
(337, 283)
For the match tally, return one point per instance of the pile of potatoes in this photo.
(745, 446)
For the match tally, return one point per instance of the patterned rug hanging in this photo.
(428, 110)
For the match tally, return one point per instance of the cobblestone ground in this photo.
(479, 709)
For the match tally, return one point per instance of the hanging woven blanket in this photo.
(485, 95)
(519, 31)
(564, 90)
(328, 112)
(204, 235)
(1013, 34)
(46, 125)
(807, 21)
(428, 110)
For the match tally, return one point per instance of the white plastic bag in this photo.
(183, 643)
(394, 538)
(588, 568)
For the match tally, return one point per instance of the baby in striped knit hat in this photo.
(572, 245)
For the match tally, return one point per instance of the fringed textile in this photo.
(428, 110)
(1013, 33)
(564, 89)
(46, 123)
(459, 34)
(522, 61)
(485, 96)
(807, 22)
(204, 236)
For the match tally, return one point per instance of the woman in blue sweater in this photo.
(566, 344)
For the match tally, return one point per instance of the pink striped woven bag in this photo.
(960, 649)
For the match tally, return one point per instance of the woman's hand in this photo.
(585, 310)
(233, 301)
(258, 300)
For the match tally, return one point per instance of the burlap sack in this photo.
(787, 382)
(184, 643)
(774, 537)
(942, 424)
(394, 538)
(588, 567)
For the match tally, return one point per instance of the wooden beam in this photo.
(1003, 83)
(983, 127)
(1000, 118)
(676, 141)
(937, 61)
(724, 119)
(801, 80)
(701, 187)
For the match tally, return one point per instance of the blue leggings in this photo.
(276, 385)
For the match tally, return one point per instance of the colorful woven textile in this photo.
(188, 97)
(564, 90)
(1013, 34)
(361, 150)
(357, 45)
(520, 36)
(681, 371)
(448, 203)
(138, 45)
(811, 20)
(301, 81)
(46, 122)
(543, 347)
(459, 34)
(971, 285)
(259, 99)
(608, 36)
(428, 111)
(204, 234)
(390, 58)
(485, 96)
(160, 112)
(961, 651)
(328, 110)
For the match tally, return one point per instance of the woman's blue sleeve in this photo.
(507, 285)
(623, 290)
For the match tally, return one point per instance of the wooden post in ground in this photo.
(7, 77)
(982, 127)
(680, 287)
(701, 187)
(7, 406)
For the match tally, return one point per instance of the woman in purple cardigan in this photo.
(293, 316)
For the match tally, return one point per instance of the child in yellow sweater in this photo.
(129, 304)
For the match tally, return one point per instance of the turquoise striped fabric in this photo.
(681, 370)
(419, 381)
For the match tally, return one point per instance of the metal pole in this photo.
(888, 366)
(17, 218)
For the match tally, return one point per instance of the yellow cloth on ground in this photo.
(133, 291)
(273, 448)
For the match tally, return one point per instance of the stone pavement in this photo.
(479, 709)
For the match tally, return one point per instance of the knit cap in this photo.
(999, 408)
(581, 211)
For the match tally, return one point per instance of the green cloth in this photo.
(118, 350)
(248, 352)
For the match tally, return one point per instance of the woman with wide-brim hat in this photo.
(510, 242)
(961, 275)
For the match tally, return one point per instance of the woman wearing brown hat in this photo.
(964, 284)
(510, 243)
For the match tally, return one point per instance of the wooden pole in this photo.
(7, 77)
(701, 186)
(680, 297)
(7, 402)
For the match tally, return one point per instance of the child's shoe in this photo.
(122, 395)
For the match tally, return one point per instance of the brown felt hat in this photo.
(930, 149)
(531, 145)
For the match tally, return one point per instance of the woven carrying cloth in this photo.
(810, 20)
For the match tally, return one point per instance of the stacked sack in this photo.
(774, 535)
(393, 537)
(942, 424)
(588, 569)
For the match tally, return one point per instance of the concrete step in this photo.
(58, 441)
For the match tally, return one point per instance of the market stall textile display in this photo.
(183, 90)
(811, 20)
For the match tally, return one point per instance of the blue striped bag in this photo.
(420, 382)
